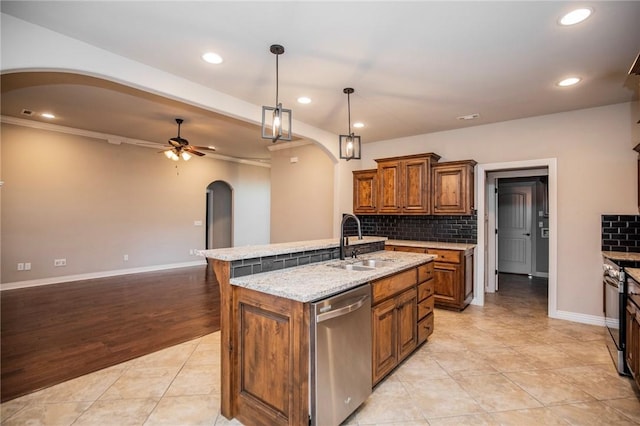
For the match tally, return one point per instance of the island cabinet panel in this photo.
(385, 346)
(407, 315)
(426, 299)
(453, 188)
(365, 191)
(387, 287)
(270, 385)
(393, 321)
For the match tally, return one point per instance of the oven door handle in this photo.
(613, 283)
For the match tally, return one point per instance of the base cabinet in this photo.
(453, 275)
(394, 332)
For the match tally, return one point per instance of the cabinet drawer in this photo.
(393, 285)
(447, 256)
(409, 249)
(425, 272)
(425, 328)
(426, 289)
(425, 307)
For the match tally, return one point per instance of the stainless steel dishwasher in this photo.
(340, 355)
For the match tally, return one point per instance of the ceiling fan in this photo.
(180, 147)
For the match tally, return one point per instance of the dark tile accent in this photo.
(620, 233)
(451, 229)
(241, 271)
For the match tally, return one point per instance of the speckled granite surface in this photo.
(320, 280)
(431, 244)
(621, 256)
(249, 252)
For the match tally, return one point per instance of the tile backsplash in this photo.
(621, 233)
(449, 229)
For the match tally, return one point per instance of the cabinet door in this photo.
(453, 187)
(447, 283)
(389, 187)
(635, 347)
(365, 191)
(407, 319)
(416, 186)
(384, 334)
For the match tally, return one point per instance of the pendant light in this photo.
(349, 143)
(276, 121)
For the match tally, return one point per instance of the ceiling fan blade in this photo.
(203, 148)
(190, 150)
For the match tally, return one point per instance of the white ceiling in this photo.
(415, 66)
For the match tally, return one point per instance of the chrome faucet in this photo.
(346, 216)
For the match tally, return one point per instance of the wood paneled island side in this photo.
(265, 321)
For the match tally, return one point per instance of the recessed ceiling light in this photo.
(47, 115)
(304, 100)
(576, 16)
(358, 125)
(569, 81)
(212, 58)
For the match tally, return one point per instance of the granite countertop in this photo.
(319, 280)
(250, 252)
(621, 256)
(431, 244)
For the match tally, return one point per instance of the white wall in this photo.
(91, 202)
(596, 169)
(301, 194)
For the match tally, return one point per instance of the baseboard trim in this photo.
(94, 275)
(581, 318)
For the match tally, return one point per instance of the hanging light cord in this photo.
(277, 79)
(349, 107)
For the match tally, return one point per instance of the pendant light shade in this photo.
(276, 121)
(350, 143)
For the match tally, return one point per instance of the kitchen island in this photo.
(265, 318)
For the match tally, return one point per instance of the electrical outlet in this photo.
(197, 223)
(59, 262)
(191, 252)
(20, 266)
(27, 266)
(125, 257)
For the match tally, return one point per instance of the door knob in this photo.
(528, 234)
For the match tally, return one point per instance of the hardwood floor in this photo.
(53, 333)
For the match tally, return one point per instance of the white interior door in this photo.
(514, 228)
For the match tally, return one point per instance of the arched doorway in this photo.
(219, 227)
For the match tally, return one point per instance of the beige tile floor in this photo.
(506, 363)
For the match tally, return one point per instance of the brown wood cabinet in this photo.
(393, 321)
(453, 187)
(453, 275)
(404, 184)
(365, 191)
(426, 300)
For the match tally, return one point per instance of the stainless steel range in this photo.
(614, 303)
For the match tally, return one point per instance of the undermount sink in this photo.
(363, 265)
(373, 263)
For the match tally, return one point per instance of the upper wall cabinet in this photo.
(404, 185)
(453, 188)
(365, 191)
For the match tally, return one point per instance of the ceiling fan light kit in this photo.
(276, 121)
(350, 143)
(180, 147)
